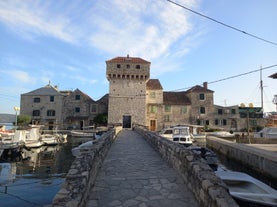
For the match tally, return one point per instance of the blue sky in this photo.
(68, 41)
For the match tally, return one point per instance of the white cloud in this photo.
(140, 28)
(27, 17)
(18, 76)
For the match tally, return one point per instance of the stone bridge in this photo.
(138, 168)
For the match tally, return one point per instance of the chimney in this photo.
(205, 85)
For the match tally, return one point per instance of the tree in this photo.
(23, 120)
(101, 119)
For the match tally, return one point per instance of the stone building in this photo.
(61, 109)
(44, 105)
(127, 90)
(134, 98)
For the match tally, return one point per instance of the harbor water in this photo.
(35, 180)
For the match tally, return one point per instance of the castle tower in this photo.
(127, 91)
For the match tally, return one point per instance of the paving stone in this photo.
(133, 174)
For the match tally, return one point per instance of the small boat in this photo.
(87, 134)
(248, 191)
(182, 135)
(82, 148)
(33, 138)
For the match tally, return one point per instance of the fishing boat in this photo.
(248, 191)
(181, 135)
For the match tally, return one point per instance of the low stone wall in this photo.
(208, 189)
(259, 160)
(83, 172)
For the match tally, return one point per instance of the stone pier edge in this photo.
(83, 172)
(208, 189)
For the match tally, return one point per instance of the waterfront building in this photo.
(57, 109)
(134, 98)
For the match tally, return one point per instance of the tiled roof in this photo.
(198, 89)
(127, 59)
(46, 90)
(274, 76)
(176, 98)
(153, 84)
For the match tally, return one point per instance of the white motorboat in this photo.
(82, 148)
(87, 134)
(33, 138)
(182, 135)
(248, 191)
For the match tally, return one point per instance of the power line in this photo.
(234, 76)
(224, 24)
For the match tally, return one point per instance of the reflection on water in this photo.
(36, 179)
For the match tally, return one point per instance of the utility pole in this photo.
(262, 89)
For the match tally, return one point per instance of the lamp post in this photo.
(275, 101)
(16, 108)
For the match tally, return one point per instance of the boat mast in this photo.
(262, 89)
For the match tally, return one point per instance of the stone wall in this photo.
(83, 172)
(258, 160)
(208, 189)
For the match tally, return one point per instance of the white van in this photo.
(181, 135)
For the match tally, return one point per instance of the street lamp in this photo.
(275, 101)
(16, 108)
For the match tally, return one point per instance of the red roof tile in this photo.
(153, 84)
(127, 59)
(176, 98)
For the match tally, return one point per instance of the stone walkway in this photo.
(133, 174)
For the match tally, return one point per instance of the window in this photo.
(166, 118)
(207, 122)
(216, 122)
(77, 97)
(184, 110)
(167, 108)
(51, 113)
(118, 65)
(224, 121)
(93, 108)
(52, 98)
(36, 113)
(219, 111)
(201, 96)
(36, 100)
(128, 66)
(202, 110)
(153, 109)
(77, 109)
(137, 66)
(153, 94)
(233, 111)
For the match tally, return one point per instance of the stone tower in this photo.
(127, 91)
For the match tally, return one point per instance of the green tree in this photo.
(101, 119)
(23, 120)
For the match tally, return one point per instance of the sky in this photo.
(67, 42)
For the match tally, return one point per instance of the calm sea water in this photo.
(35, 180)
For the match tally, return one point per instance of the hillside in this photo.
(7, 118)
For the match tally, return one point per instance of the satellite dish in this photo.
(242, 105)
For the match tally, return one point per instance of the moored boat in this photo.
(248, 191)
